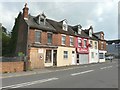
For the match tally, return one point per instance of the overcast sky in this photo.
(103, 16)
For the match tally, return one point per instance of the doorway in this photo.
(54, 57)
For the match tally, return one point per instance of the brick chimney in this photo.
(25, 11)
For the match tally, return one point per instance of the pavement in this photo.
(44, 70)
(102, 75)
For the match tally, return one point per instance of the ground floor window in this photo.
(65, 56)
(92, 53)
(101, 56)
(48, 56)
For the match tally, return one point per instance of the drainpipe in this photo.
(26, 62)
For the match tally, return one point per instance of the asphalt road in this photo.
(103, 75)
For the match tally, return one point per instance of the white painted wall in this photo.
(96, 53)
(101, 51)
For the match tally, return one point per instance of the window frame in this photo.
(62, 39)
(95, 45)
(71, 43)
(91, 43)
(85, 45)
(79, 39)
(65, 54)
(92, 54)
(48, 37)
(38, 42)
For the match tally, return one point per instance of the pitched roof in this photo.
(58, 27)
(94, 37)
(99, 32)
(75, 29)
(32, 22)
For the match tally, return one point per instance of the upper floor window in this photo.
(63, 39)
(85, 43)
(79, 42)
(71, 41)
(95, 45)
(37, 36)
(49, 38)
(102, 45)
(65, 26)
(91, 44)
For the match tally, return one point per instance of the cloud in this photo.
(103, 16)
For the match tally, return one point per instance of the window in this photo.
(37, 36)
(63, 39)
(85, 43)
(71, 41)
(91, 44)
(101, 56)
(65, 26)
(49, 36)
(95, 45)
(79, 30)
(65, 54)
(102, 45)
(79, 42)
(48, 56)
(90, 33)
(92, 53)
(102, 36)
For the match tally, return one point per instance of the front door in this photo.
(73, 57)
(55, 58)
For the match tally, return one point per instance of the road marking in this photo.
(106, 67)
(29, 83)
(81, 72)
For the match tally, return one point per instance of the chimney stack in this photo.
(25, 11)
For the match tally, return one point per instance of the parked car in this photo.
(109, 57)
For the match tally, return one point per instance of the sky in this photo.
(101, 14)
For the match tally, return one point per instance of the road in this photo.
(104, 75)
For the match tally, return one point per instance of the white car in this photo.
(109, 57)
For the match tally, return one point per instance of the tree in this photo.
(5, 42)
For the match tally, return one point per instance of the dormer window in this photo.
(90, 33)
(42, 19)
(102, 36)
(79, 29)
(65, 26)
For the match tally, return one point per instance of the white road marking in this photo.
(30, 83)
(81, 72)
(106, 67)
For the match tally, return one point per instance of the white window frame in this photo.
(65, 24)
(78, 42)
(79, 30)
(85, 46)
(96, 46)
(71, 43)
(62, 39)
(65, 55)
(90, 33)
(91, 44)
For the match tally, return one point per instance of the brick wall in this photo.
(56, 38)
(11, 66)
(99, 45)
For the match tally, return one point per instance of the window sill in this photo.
(37, 43)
